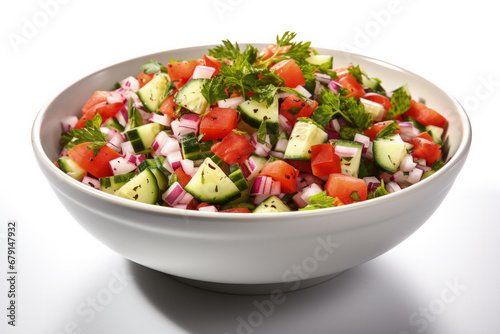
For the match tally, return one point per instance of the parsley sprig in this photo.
(91, 134)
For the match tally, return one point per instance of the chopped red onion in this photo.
(174, 159)
(281, 145)
(174, 126)
(310, 190)
(311, 179)
(400, 177)
(424, 168)
(333, 135)
(275, 188)
(261, 149)
(92, 182)
(117, 140)
(159, 141)
(186, 198)
(392, 187)
(334, 86)
(299, 201)
(303, 91)
(130, 158)
(372, 182)
(334, 123)
(130, 83)
(344, 151)
(386, 177)
(249, 169)
(415, 175)
(232, 102)
(68, 123)
(323, 78)
(203, 72)
(258, 185)
(209, 208)
(171, 145)
(127, 147)
(279, 155)
(260, 198)
(188, 166)
(121, 166)
(369, 152)
(284, 124)
(362, 139)
(115, 97)
(160, 119)
(174, 194)
(181, 206)
(407, 163)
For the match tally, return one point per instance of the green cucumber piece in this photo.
(142, 137)
(254, 113)
(191, 98)
(70, 167)
(388, 152)
(303, 136)
(154, 93)
(111, 184)
(271, 204)
(141, 188)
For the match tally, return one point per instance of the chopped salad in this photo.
(252, 131)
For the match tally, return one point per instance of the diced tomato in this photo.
(425, 115)
(324, 161)
(202, 205)
(373, 130)
(425, 148)
(237, 210)
(294, 107)
(342, 71)
(379, 99)
(269, 51)
(218, 123)
(213, 62)
(234, 148)
(99, 96)
(98, 165)
(282, 172)
(183, 177)
(348, 82)
(168, 107)
(144, 78)
(348, 189)
(98, 103)
(289, 71)
(301, 165)
(182, 70)
(81, 122)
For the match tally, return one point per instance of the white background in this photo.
(70, 283)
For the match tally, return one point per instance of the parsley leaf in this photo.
(388, 130)
(356, 73)
(152, 66)
(134, 116)
(262, 132)
(400, 101)
(348, 132)
(357, 114)
(214, 89)
(320, 201)
(325, 69)
(227, 51)
(90, 133)
(322, 114)
(381, 191)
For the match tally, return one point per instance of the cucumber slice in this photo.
(303, 136)
(113, 123)
(376, 110)
(113, 183)
(237, 177)
(191, 98)
(142, 137)
(271, 204)
(154, 93)
(141, 188)
(436, 133)
(69, 166)
(211, 185)
(161, 178)
(191, 148)
(388, 152)
(320, 60)
(254, 113)
(349, 165)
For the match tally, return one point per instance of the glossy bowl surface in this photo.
(248, 249)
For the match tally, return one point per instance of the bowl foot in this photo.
(256, 289)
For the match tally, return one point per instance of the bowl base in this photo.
(256, 289)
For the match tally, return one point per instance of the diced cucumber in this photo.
(303, 136)
(191, 98)
(271, 204)
(142, 137)
(112, 123)
(211, 185)
(388, 152)
(320, 60)
(154, 93)
(70, 167)
(254, 113)
(376, 110)
(349, 165)
(373, 84)
(141, 188)
(111, 184)
(146, 163)
(237, 177)
(161, 178)
(191, 148)
(436, 133)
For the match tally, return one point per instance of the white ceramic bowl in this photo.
(233, 251)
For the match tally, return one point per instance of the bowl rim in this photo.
(48, 165)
